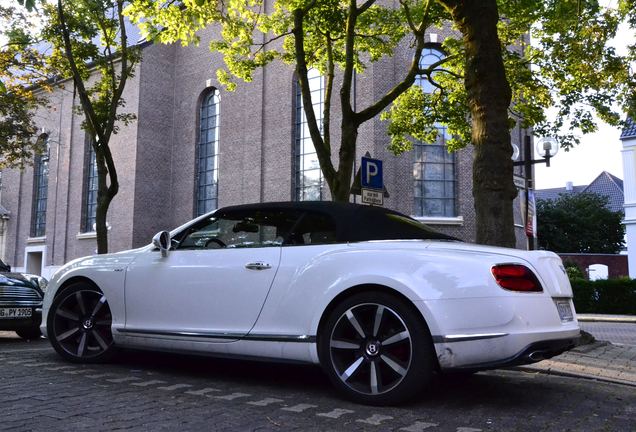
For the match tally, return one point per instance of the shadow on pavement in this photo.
(494, 389)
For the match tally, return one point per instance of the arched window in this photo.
(308, 177)
(40, 189)
(89, 207)
(433, 168)
(207, 154)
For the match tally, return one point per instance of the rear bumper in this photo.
(533, 353)
(485, 333)
(504, 350)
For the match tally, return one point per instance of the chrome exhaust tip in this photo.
(536, 356)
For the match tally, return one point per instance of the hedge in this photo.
(606, 296)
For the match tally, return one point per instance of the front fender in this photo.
(108, 272)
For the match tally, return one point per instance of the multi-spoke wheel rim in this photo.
(371, 348)
(81, 324)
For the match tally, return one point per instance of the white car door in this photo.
(215, 281)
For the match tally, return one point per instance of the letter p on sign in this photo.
(371, 173)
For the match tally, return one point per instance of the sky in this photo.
(597, 152)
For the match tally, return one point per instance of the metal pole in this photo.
(527, 155)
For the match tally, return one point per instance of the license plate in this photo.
(565, 310)
(7, 313)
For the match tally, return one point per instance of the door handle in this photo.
(257, 266)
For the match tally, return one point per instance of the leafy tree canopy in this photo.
(22, 67)
(579, 223)
(490, 79)
(80, 43)
(570, 66)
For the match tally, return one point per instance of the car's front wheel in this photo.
(79, 324)
(376, 350)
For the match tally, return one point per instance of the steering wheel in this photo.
(215, 240)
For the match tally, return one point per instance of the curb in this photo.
(606, 318)
(557, 372)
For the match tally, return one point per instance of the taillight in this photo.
(516, 277)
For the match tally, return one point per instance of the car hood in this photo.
(15, 280)
(547, 264)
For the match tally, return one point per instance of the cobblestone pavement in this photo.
(622, 333)
(599, 360)
(149, 391)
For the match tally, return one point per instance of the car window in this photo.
(239, 229)
(313, 229)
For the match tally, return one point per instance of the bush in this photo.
(573, 270)
(606, 296)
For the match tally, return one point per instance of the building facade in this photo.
(195, 147)
(628, 137)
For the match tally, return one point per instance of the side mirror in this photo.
(161, 240)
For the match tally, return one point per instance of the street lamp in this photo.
(546, 148)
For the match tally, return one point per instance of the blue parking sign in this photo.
(371, 173)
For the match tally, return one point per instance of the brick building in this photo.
(195, 146)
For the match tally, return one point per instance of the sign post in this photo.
(371, 181)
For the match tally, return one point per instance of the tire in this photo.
(79, 324)
(29, 333)
(376, 362)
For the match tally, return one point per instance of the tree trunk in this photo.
(341, 191)
(489, 98)
(105, 195)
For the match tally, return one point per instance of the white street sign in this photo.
(372, 196)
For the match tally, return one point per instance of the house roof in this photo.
(629, 131)
(610, 186)
(553, 193)
(605, 184)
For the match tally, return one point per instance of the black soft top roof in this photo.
(357, 222)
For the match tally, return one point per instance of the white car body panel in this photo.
(206, 301)
(188, 298)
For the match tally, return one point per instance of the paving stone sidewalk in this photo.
(599, 360)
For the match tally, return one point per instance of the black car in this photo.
(21, 302)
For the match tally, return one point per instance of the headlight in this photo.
(41, 282)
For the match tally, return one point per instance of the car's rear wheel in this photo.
(376, 350)
(29, 332)
(79, 324)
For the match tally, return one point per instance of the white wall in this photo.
(629, 182)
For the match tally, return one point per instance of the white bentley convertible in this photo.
(376, 298)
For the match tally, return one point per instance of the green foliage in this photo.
(252, 37)
(85, 42)
(573, 270)
(28, 4)
(326, 35)
(579, 223)
(570, 67)
(22, 67)
(96, 43)
(606, 296)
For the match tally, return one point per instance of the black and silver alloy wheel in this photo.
(79, 324)
(370, 348)
(376, 350)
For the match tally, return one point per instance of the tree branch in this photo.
(345, 90)
(87, 105)
(323, 153)
(328, 92)
(375, 109)
(366, 5)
